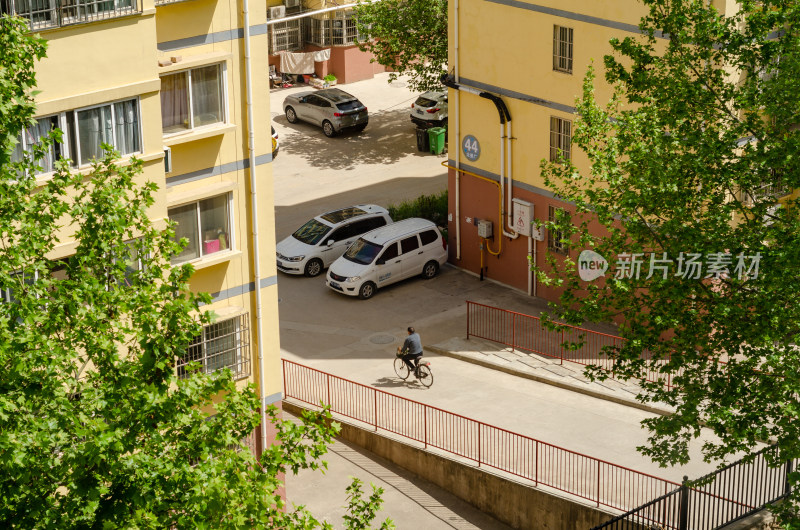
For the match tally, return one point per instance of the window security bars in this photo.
(555, 238)
(774, 188)
(335, 29)
(286, 36)
(562, 49)
(224, 344)
(44, 14)
(560, 139)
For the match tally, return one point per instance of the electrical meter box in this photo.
(484, 229)
(522, 214)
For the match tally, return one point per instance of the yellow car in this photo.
(275, 143)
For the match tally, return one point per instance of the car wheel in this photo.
(366, 291)
(361, 127)
(313, 268)
(327, 128)
(430, 269)
(291, 115)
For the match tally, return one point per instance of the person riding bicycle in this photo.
(411, 350)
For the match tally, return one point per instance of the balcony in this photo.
(46, 14)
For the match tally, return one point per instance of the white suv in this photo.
(430, 109)
(387, 255)
(323, 239)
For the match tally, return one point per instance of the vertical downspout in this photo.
(251, 158)
(509, 212)
(458, 147)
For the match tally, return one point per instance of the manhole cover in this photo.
(381, 339)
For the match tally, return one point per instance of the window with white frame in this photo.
(116, 124)
(224, 344)
(206, 224)
(338, 28)
(33, 135)
(562, 49)
(555, 238)
(560, 139)
(192, 98)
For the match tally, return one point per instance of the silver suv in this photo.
(331, 108)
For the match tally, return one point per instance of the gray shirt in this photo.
(413, 344)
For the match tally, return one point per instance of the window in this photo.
(560, 139)
(428, 237)
(116, 124)
(390, 252)
(192, 98)
(205, 224)
(335, 29)
(286, 36)
(409, 244)
(40, 14)
(555, 238)
(224, 344)
(32, 135)
(562, 49)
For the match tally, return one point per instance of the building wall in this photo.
(506, 48)
(124, 57)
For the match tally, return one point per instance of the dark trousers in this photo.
(407, 358)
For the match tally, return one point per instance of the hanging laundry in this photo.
(297, 63)
(322, 55)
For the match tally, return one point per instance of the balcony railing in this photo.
(45, 14)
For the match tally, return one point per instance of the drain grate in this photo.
(381, 339)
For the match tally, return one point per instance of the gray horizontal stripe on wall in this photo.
(216, 170)
(242, 289)
(493, 176)
(211, 38)
(517, 95)
(632, 28)
(274, 398)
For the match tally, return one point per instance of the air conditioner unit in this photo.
(167, 160)
(277, 12)
(291, 3)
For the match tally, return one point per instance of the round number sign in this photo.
(471, 148)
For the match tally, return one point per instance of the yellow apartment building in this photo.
(524, 61)
(168, 82)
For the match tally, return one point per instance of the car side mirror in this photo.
(330, 242)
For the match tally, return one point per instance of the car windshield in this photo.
(349, 105)
(312, 232)
(362, 252)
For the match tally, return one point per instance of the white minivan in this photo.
(387, 255)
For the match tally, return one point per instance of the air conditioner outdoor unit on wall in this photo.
(277, 12)
(291, 3)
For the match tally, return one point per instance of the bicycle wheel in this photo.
(424, 375)
(401, 369)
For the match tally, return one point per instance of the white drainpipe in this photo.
(458, 147)
(251, 157)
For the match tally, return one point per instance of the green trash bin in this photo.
(436, 136)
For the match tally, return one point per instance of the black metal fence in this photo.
(714, 500)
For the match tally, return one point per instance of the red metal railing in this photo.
(526, 332)
(542, 463)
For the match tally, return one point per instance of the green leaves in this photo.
(696, 153)
(409, 36)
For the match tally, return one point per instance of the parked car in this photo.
(387, 255)
(323, 239)
(430, 109)
(332, 109)
(275, 143)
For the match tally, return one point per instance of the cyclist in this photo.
(411, 350)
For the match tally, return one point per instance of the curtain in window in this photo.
(174, 103)
(206, 95)
(32, 135)
(214, 224)
(186, 219)
(94, 128)
(126, 118)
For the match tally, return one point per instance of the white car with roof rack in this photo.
(323, 239)
(412, 247)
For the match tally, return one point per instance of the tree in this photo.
(97, 430)
(688, 161)
(408, 36)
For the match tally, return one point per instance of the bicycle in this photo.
(422, 371)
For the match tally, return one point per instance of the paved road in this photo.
(355, 339)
